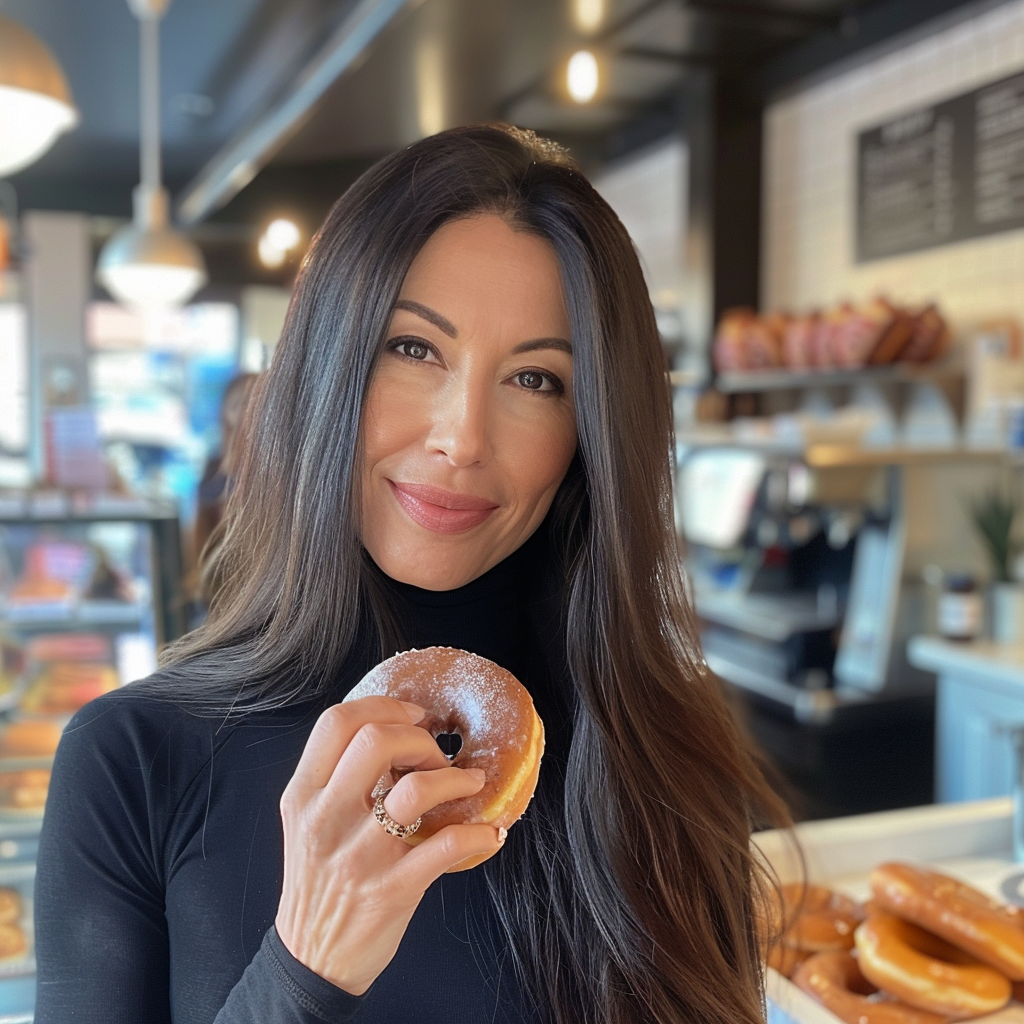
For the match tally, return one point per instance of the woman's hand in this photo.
(350, 889)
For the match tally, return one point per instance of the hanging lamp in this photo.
(35, 104)
(147, 263)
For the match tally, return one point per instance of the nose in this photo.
(460, 427)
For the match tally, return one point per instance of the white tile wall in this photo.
(809, 185)
(648, 192)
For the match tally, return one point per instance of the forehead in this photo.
(482, 261)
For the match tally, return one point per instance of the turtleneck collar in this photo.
(486, 616)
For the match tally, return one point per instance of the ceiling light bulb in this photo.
(582, 76)
(35, 104)
(270, 255)
(282, 234)
(588, 14)
(147, 263)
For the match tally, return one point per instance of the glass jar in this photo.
(961, 609)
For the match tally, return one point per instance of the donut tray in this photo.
(971, 841)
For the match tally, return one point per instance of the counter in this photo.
(979, 702)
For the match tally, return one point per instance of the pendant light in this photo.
(35, 104)
(147, 263)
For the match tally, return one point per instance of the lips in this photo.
(439, 510)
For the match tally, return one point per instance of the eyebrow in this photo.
(442, 323)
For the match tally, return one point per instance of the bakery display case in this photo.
(87, 596)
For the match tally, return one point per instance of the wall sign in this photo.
(945, 173)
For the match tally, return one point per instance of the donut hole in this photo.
(450, 744)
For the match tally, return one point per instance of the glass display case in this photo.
(88, 594)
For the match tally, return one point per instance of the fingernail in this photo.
(478, 773)
(502, 832)
(414, 711)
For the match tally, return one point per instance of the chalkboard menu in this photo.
(942, 174)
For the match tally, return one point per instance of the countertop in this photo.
(983, 660)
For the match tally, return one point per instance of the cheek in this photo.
(392, 419)
(541, 456)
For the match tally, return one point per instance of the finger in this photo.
(427, 861)
(334, 730)
(376, 749)
(416, 793)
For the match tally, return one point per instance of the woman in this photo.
(464, 439)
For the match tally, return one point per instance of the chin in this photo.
(439, 575)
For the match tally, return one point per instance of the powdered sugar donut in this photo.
(488, 709)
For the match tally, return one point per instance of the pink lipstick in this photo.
(439, 510)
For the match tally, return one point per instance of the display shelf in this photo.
(826, 455)
(72, 616)
(786, 380)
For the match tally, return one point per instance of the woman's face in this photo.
(469, 425)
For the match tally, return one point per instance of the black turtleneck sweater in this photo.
(160, 862)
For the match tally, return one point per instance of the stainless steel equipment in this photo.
(798, 580)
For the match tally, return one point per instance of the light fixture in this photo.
(35, 104)
(147, 263)
(581, 76)
(588, 15)
(279, 238)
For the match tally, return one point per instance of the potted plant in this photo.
(995, 515)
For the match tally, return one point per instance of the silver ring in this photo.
(392, 827)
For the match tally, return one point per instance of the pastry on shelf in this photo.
(798, 341)
(107, 582)
(730, 345)
(63, 687)
(872, 335)
(29, 738)
(930, 337)
(24, 790)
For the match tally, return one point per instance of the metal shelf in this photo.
(781, 380)
(822, 455)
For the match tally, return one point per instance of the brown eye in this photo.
(414, 349)
(531, 379)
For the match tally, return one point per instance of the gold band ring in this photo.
(392, 827)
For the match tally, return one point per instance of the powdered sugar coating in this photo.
(469, 695)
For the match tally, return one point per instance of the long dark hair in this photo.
(630, 893)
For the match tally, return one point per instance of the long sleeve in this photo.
(276, 987)
(103, 934)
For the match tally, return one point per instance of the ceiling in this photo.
(230, 66)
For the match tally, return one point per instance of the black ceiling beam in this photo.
(858, 31)
(678, 60)
(759, 15)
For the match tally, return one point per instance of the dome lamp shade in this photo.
(147, 263)
(35, 103)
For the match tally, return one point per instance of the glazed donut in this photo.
(925, 971)
(492, 713)
(808, 919)
(959, 913)
(835, 980)
(818, 919)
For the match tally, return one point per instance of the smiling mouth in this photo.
(441, 511)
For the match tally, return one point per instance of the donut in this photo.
(805, 919)
(489, 710)
(924, 970)
(835, 980)
(817, 919)
(30, 738)
(13, 942)
(959, 913)
(10, 905)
